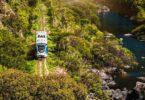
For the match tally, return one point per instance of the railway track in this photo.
(42, 67)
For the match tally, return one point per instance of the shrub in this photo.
(13, 51)
(17, 85)
(62, 87)
(73, 60)
(93, 83)
(84, 22)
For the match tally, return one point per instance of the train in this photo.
(41, 44)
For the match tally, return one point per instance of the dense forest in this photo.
(76, 46)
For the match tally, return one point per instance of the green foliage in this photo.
(18, 85)
(141, 14)
(23, 17)
(91, 49)
(50, 15)
(19, 22)
(75, 43)
(93, 83)
(13, 51)
(62, 87)
(139, 31)
(30, 68)
(2, 68)
(84, 22)
(73, 61)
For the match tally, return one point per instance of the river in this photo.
(120, 25)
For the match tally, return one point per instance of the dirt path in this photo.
(46, 72)
(39, 68)
(42, 68)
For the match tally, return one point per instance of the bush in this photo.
(94, 85)
(17, 85)
(108, 55)
(13, 51)
(62, 87)
(84, 22)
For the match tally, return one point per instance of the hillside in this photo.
(76, 46)
(139, 6)
(133, 9)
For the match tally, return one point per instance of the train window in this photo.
(41, 48)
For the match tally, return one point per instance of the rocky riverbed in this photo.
(137, 93)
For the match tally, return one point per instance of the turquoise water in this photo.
(118, 24)
(115, 23)
(138, 49)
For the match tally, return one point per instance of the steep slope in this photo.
(75, 43)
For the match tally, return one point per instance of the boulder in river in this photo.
(137, 93)
(103, 9)
(133, 95)
(128, 35)
(142, 78)
(117, 94)
(127, 66)
(142, 57)
(140, 86)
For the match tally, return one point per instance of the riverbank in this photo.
(117, 7)
(126, 85)
(108, 85)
